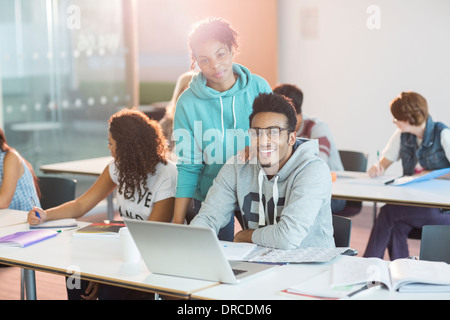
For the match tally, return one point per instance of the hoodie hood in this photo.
(202, 91)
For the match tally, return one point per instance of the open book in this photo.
(403, 275)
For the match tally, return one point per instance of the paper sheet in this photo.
(296, 256)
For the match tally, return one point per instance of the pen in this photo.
(34, 205)
(378, 160)
(391, 181)
(358, 291)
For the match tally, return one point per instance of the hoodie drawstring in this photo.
(221, 116)
(262, 215)
(275, 199)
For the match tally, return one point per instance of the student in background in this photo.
(145, 179)
(284, 196)
(167, 121)
(421, 144)
(314, 128)
(18, 183)
(211, 115)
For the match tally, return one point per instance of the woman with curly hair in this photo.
(145, 179)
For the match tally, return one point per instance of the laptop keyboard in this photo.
(238, 272)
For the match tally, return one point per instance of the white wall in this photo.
(349, 73)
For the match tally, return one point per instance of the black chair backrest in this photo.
(354, 160)
(56, 191)
(342, 231)
(435, 243)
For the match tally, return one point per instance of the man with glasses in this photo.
(283, 196)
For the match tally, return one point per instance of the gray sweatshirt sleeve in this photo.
(220, 203)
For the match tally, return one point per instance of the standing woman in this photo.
(421, 144)
(18, 183)
(145, 179)
(211, 117)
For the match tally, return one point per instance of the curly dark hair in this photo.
(140, 146)
(212, 29)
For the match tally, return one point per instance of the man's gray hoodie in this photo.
(301, 189)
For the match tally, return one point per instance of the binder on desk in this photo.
(26, 238)
(401, 181)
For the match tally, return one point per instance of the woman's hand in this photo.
(91, 292)
(33, 218)
(376, 170)
(246, 154)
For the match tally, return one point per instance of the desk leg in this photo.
(110, 206)
(30, 284)
(374, 212)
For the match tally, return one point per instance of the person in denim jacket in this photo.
(421, 144)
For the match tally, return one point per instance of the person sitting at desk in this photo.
(421, 144)
(145, 179)
(284, 194)
(19, 187)
(314, 128)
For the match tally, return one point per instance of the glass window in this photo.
(64, 69)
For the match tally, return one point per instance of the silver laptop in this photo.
(188, 251)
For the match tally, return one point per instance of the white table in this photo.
(36, 128)
(358, 186)
(94, 259)
(91, 167)
(269, 286)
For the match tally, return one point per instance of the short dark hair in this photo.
(292, 92)
(212, 29)
(273, 102)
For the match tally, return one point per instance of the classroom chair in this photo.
(342, 231)
(435, 243)
(353, 161)
(54, 191)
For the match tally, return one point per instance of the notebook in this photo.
(26, 238)
(190, 252)
(59, 223)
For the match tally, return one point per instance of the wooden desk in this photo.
(93, 259)
(91, 167)
(358, 186)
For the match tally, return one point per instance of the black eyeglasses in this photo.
(271, 132)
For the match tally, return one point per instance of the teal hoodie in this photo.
(210, 127)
